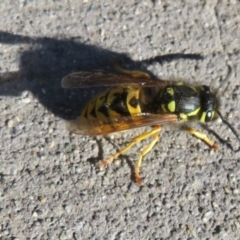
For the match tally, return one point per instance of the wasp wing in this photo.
(106, 79)
(94, 127)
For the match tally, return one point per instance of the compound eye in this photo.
(209, 116)
(206, 116)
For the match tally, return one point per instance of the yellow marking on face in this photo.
(213, 113)
(172, 106)
(170, 91)
(209, 115)
(194, 113)
(203, 117)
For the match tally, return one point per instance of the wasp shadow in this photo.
(48, 60)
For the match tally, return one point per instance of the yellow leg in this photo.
(154, 131)
(142, 154)
(135, 74)
(202, 136)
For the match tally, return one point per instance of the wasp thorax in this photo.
(208, 104)
(188, 102)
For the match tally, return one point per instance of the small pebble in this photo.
(26, 100)
(207, 216)
(35, 214)
(10, 123)
(42, 199)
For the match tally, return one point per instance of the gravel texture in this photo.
(50, 186)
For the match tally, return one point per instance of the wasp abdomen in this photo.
(113, 103)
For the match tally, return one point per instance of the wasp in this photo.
(135, 99)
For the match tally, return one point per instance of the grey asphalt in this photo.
(50, 185)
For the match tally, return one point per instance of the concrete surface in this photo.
(50, 187)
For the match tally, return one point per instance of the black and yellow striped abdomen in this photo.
(113, 103)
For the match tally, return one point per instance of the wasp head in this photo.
(208, 104)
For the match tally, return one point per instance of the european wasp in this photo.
(135, 100)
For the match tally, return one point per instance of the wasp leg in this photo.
(202, 136)
(154, 131)
(135, 74)
(142, 154)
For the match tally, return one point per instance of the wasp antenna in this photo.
(229, 74)
(234, 131)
